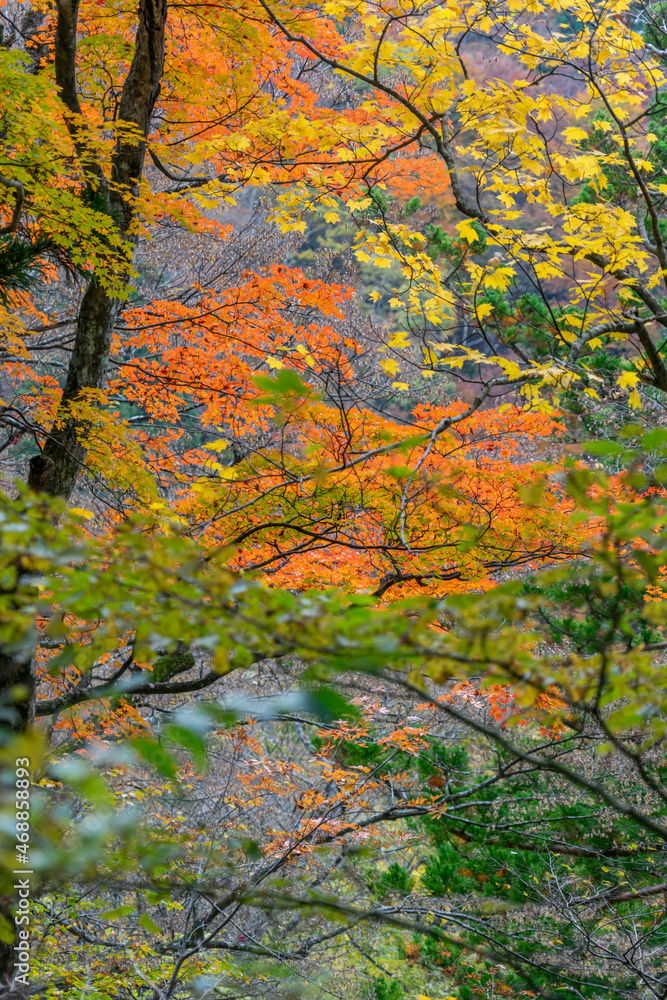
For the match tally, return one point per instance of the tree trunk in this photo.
(57, 468)
(64, 452)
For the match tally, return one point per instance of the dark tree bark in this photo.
(57, 469)
(66, 444)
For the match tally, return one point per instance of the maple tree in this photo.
(275, 319)
(188, 364)
(240, 426)
(308, 488)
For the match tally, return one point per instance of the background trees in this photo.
(302, 297)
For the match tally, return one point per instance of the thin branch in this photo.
(18, 188)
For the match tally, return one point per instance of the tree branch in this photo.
(119, 691)
(17, 187)
(542, 763)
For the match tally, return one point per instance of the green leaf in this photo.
(533, 495)
(330, 705)
(252, 850)
(78, 774)
(120, 911)
(287, 382)
(148, 925)
(649, 563)
(604, 448)
(190, 740)
(655, 438)
(155, 755)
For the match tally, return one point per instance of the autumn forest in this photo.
(333, 493)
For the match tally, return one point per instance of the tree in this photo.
(231, 328)
(553, 725)
(564, 282)
(213, 391)
(227, 330)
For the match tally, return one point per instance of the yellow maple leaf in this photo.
(628, 380)
(500, 278)
(574, 134)
(292, 225)
(390, 366)
(400, 340)
(467, 232)
(510, 368)
(205, 490)
(359, 206)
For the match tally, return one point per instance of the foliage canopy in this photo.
(332, 614)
